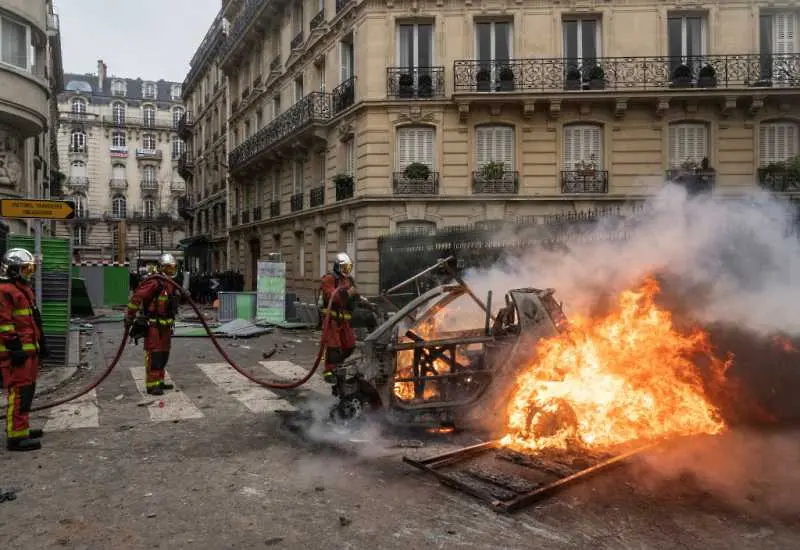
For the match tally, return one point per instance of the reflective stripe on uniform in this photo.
(25, 347)
(161, 321)
(338, 315)
(12, 404)
(131, 305)
(21, 312)
(163, 298)
(152, 384)
(6, 328)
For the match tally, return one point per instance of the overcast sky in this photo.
(152, 39)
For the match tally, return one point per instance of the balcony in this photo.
(185, 207)
(628, 73)
(177, 187)
(345, 187)
(185, 125)
(495, 181)
(245, 216)
(144, 122)
(149, 185)
(414, 82)
(696, 178)
(342, 4)
(296, 202)
(118, 184)
(149, 154)
(185, 164)
(118, 151)
(297, 41)
(257, 214)
(78, 149)
(405, 185)
(78, 183)
(71, 116)
(343, 96)
(779, 178)
(316, 197)
(318, 20)
(584, 181)
(311, 111)
(274, 209)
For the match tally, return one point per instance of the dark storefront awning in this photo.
(196, 242)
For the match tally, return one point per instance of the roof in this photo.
(89, 85)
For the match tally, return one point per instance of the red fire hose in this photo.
(222, 352)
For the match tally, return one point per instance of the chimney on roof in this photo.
(102, 71)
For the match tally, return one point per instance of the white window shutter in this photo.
(414, 144)
(688, 142)
(426, 147)
(777, 142)
(582, 143)
(484, 138)
(495, 144)
(783, 32)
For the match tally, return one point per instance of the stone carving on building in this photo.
(10, 161)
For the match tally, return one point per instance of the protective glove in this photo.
(44, 351)
(18, 358)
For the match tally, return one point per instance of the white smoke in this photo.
(739, 250)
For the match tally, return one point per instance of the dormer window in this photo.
(119, 88)
(149, 90)
(175, 92)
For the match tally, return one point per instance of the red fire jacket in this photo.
(158, 300)
(340, 334)
(17, 318)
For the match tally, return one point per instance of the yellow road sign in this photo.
(35, 208)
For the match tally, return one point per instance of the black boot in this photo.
(165, 386)
(35, 433)
(155, 390)
(23, 444)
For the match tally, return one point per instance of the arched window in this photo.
(778, 142)
(77, 169)
(177, 114)
(422, 227)
(77, 141)
(688, 144)
(118, 112)
(119, 206)
(118, 140)
(80, 205)
(149, 237)
(494, 156)
(79, 235)
(582, 160)
(78, 105)
(149, 116)
(149, 207)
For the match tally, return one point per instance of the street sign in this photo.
(38, 209)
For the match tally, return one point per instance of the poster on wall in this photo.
(271, 292)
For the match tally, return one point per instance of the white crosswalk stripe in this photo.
(286, 370)
(80, 413)
(252, 396)
(173, 405)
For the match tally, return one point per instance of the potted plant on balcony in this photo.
(425, 85)
(506, 78)
(405, 85)
(344, 185)
(681, 77)
(492, 171)
(707, 77)
(483, 80)
(597, 78)
(573, 79)
(417, 172)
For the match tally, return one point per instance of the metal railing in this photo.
(78, 182)
(588, 181)
(343, 95)
(185, 164)
(627, 73)
(317, 20)
(240, 24)
(144, 122)
(274, 209)
(778, 179)
(316, 197)
(313, 108)
(117, 184)
(345, 190)
(177, 186)
(245, 216)
(296, 202)
(505, 183)
(257, 214)
(154, 154)
(414, 82)
(72, 116)
(403, 185)
(149, 185)
(695, 180)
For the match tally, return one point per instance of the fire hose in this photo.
(215, 342)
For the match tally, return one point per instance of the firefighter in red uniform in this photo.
(340, 339)
(151, 314)
(22, 346)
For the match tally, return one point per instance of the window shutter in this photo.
(495, 144)
(784, 30)
(777, 142)
(688, 142)
(582, 143)
(414, 145)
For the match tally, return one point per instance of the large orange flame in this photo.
(628, 376)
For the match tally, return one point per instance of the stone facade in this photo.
(120, 150)
(451, 112)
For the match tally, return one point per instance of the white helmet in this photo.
(167, 264)
(18, 263)
(342, 264)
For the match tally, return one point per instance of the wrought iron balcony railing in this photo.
(240, 24)
(694, 180)
(149, 154)
(342, 4)
(118, 151)
(316, 197)
(185, 164)
(72, 116)
(274, 209)
(344, 95)
(414, 82)
(78, 183)
(778, 179)
(584, 181)
(297, 41)
(296, 202)
(185, 124)
(345, 189)
(313, 108)
(144, 122)
(245, 216)
(257, 214)
(403, 185)
(149, 185)
(177, 187)
(117, 184)
(75, 148)
(506, 182)
(317, 20)
(627, 73)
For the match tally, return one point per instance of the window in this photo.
(321, 167)
(414, 145)
(276, 185)
(118, 172)
(495, 144)
(149, 237)
(79, 235)
(416, 227)
(149, 207)
(350, 157)
(77, 169)
(581, 42)
(175, 92)
(347, 59)
(322, 242)
(493, 41)
(688, 142)
(415, 45)
(149, 142)
(119, 88)
(780, 37)
(582, 144)
(77, 141)
(259, 119)
(686, 39)
(301, 254)
(778, 142)
(78, 105)
(321, 75)
(79, 199)
(118, 110)
(297, 17)
(119, 206)
(349, 238)
(149, 90)
(149, 116)
(118, 140)
(115, 238)
(149, 174)
(276, 106)
(177, 114)
(15, 40)
(298, 88)
(178, 147)
(297, 177)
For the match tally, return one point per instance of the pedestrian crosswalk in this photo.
(101, 408)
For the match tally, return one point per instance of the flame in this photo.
(785, 344)
(625, 377)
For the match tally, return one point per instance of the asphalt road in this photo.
(216, 467)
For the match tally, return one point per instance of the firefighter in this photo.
(151, 314)
(22, 346)
(340, 339)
